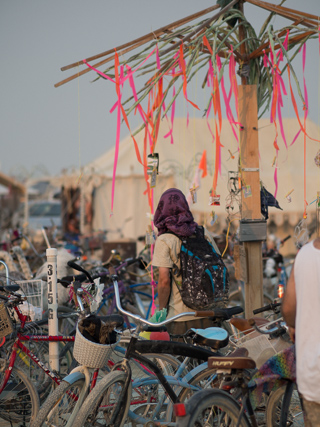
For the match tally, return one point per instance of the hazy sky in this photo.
(43, 126)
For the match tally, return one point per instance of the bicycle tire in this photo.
(204, 379)
(214, 408)
(19, 401)
(102, 397)
(59, 406)
(295, 414)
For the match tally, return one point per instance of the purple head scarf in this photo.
(173, 214)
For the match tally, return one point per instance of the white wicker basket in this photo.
(260, 347)
(89, 353)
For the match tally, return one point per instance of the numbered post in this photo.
(53, 307)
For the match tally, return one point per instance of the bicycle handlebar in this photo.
(268, 307)
(147, 322)
(280, 327)
(78, 267)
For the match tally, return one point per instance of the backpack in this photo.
(205, 278)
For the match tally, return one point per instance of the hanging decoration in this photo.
(317, 159)
(173, 55)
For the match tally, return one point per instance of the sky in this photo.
(43, 129)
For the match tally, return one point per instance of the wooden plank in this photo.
(249, 150)
(253, 287)
(240, 263)
(250, 205)
(9, 182)
(242, 36)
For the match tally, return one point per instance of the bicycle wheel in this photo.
(59, 406)
(205, 379)
(214, 408)
(99, 406)
(147, 390)
(274, 405)
(19, 401)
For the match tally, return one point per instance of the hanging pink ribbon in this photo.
(275, 177)
(116, 153)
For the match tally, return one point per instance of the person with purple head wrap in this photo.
(174, 220)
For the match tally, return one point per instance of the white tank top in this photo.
(307, 281)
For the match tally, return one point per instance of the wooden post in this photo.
(250, 195)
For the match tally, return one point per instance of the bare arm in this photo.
(164, 286)
(289, 303)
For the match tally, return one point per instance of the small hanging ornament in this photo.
(150, 236)
(214, 199)
(153, 162)
(274, 161)
(287, 196)
(214, 217)
(153, 179)
(193, 192)
(317, 159)
(247, 191)
(231, 155)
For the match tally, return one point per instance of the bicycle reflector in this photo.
(280, 291)
(179, 410)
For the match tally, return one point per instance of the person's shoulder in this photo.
(168, 237)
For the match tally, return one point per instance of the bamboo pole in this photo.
(200, 27)
(281, 12)
(293, 40)
(131, 46)
(265, 45)
(146, 37)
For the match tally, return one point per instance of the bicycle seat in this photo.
(212, 337)
(235, 360)
(9, 288)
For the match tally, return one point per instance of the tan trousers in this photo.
(179, 328)
(311, 413)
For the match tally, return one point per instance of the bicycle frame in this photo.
(18, 345)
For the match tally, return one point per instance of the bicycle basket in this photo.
(33, 290)
(91, 354)
(260, 347)
(6, 326)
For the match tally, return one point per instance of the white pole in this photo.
(53, 307)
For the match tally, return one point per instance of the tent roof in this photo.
(189, 142)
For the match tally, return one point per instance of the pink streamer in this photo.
(276, 179)
(227, 102)
(99, 72)
(116, 153)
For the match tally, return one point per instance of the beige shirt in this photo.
(166, 254)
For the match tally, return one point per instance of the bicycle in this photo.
(118, 382)
(24, 403)
(217, 407)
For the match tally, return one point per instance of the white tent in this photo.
(178, 164)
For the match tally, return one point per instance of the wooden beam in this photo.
(9, 182)
(265, 45)
(250, 205)
(294, 40)
(242, 36)
(200, 27)
(131, 46)
(279, 11)
(146, 37)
